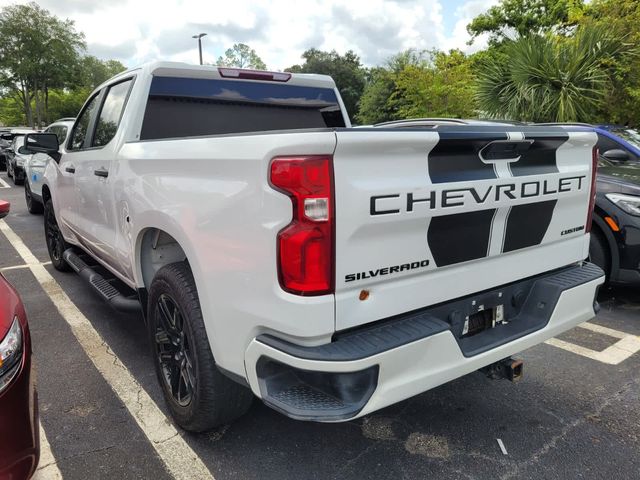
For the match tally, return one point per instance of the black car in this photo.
(615, 237)
(5, 142)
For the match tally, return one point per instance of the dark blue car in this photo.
(615, 239)
(614, 137)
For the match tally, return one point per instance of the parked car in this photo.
(5, 142)
(615, 142)
(615, 137)
(615, 242)
(615, 239)
(34, 167)
(17, 156)
(331, 271)
(19, 424)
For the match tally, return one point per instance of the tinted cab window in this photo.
(111, 113)
(184, 107)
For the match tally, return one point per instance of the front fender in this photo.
(34, 172)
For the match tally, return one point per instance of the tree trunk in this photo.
(26, 101)
(47, 120)
(38, 106)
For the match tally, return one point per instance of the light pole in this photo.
(199, 37)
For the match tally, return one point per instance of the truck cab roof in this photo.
(181, 69)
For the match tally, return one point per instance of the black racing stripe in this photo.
(461, 237)
(540, 158)
(527, 225)
(455, 158)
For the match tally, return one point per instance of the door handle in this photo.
(101, 172)
(70, 169)
(504, 150)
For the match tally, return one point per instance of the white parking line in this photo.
(180, 460)
(625, 347)
(594, 327)
(20, 267)
(47, 468)
(4, 184)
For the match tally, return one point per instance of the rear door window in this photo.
(111, 113)
(184, 107)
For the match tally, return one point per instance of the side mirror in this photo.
(616, 155)
(43, 143)
(24, 151)
(4, 208)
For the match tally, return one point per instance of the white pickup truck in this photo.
(328, 270)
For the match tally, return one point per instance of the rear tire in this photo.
(599, 252)
(198, 395)
(33, 205)
(55, 241)
(16, 181)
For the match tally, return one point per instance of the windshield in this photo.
(630, 135)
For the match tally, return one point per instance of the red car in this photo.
(19, 427)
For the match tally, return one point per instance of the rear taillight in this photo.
(306, 245)
(592, 192)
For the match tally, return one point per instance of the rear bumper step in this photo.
(527, 306)
(101, 285)
(369, 368)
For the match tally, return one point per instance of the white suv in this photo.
(35, 165)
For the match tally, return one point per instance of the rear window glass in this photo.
(184, 107)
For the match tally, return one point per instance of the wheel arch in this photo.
(601, 226)
(46, 193)
(155, 249)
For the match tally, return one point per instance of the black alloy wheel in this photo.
(55, 241)
(199, 396)
(33, 206)
(173, 348)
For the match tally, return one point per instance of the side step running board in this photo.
(102, 286)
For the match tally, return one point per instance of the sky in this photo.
(137, 31)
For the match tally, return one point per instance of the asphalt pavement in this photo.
(576, 413)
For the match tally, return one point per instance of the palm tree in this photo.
(550, 78)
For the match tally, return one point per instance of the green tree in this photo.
(419, 83)
(526, 17)
(11, 111)
(93, 71)
(241, 56)
(548, 78)
(67, 103)
(346, 70)
(38, 51)
(380, 101)
(622, 17)
(442, 88)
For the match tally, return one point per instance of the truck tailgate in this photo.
(423, 217)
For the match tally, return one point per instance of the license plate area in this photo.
(484, 319)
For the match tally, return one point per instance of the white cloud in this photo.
(459, 38)
(135, 31)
